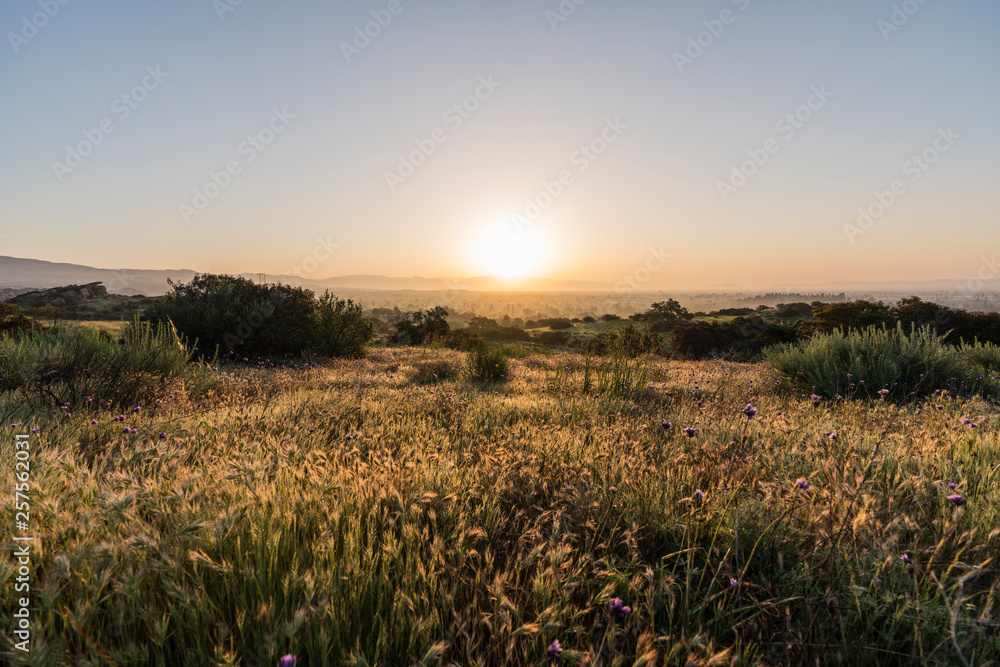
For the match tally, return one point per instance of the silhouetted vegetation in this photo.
(630, 341)
(739, 339)
(664, 315)
(240, 318)
(12, 320)
(416, 328)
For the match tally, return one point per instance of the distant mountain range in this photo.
(18, 273)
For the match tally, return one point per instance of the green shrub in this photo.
(955, 324)
(341, 328)
(629, 340)
(741, 339)
(665, 315)
(421, 325)
(853, 316)
(553, 337)
(12, 320)
(64, 366)
(982, 356)
(238, 317)
(859, 364)
(489, 366)
(462, 339)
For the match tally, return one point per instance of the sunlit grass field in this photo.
(355, 514)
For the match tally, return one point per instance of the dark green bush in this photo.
(488, 366)
(799, 309)
(665, 315)
(12, 320)
(340, 328)
(553, 337)
(740, 339)
(416, 328)
(630, 341)
(240, 318)
(462, 339)
(852, 316)
(955, 324)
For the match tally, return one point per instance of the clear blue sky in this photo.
(663, 184)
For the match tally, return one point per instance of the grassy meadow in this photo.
(391, 511)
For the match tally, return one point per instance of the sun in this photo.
(503, 249)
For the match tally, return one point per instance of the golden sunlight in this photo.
(508, 251)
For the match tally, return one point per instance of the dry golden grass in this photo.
(356, 514)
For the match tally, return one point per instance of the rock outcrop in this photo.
(61, 296)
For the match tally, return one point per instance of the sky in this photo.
(675, 145)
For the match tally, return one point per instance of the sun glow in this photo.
(503, 249)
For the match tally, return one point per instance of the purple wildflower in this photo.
(690, 431)
(883, 392)
(137, 409)
(127, 430)
(968, 422)
(832, 436)
(163, 436)
(287, 661)
(699, 494)
(619, 609)
(555, 648)
(816, 398)
(36, 430)
(94, 422)
(750, 411)
(956, 499)
(735, 583)
(667, 425)
(939, 407)
(802, 484)
(952, 486)
(906, 559)
(612, 489)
